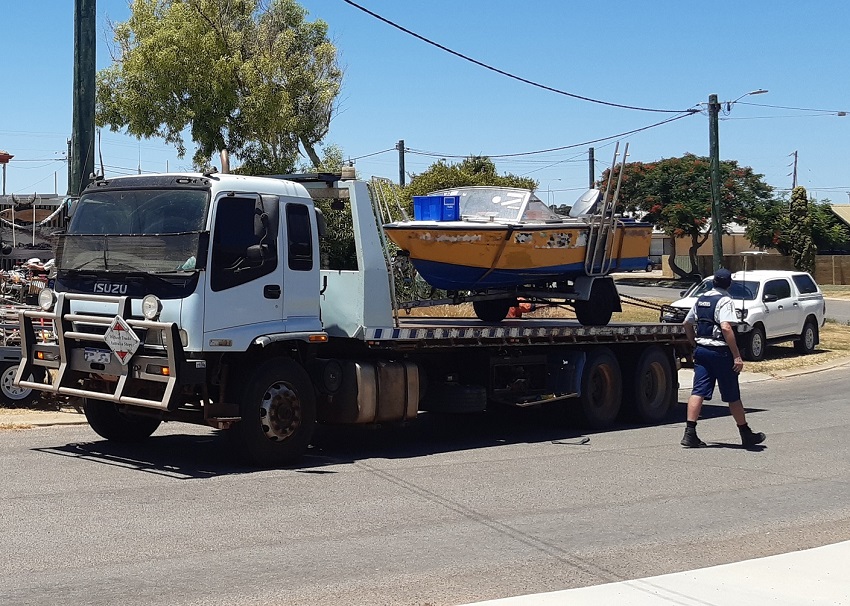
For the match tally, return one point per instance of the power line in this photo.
(508, 74)
(553, 149)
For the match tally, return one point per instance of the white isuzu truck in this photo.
(200, 298)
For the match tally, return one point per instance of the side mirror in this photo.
(770, 298)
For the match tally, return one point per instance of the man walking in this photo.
(709, 327)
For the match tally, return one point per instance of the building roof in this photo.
(842, 211)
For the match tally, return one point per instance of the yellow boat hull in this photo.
(463, 256)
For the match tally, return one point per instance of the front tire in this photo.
(755, 344)
(13, 396)
(110, 423)
(808, 338)
(278, 410)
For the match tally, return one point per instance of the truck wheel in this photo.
(755, 345)
(652, 386)
(601, 389)
(12, 396)
(808, 338)
(278, 409)
(109, 422)
(492, 310)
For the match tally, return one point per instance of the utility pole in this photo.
(592, 174)
(82, 129)
(714, 152)
(794, 171)
(400, 147)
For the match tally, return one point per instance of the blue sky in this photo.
(652, 54)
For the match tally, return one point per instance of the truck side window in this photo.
(299, 237)
(238, 227)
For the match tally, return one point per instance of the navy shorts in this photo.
(714, 364)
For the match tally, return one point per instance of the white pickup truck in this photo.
(773, 306)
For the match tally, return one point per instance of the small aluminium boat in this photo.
(479, 238)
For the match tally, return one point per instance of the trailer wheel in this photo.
(13, 396)
(652, 386)
(278, 409)
(109, 422)
(599, 308)
(492, 310)
(601, 388)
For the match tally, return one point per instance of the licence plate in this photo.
(98, 356)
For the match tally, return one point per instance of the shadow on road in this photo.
(186, 457)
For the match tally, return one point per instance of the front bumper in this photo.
(150, 378)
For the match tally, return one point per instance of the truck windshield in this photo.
(135, 230)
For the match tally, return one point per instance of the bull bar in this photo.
(166, 368)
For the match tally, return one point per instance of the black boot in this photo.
(690, 439)
(749, 437)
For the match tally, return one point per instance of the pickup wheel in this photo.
(278, 409)
(652, 386)
(601, 389)
(808, 338)
(109, 422)
(755, 344)
(12, 396)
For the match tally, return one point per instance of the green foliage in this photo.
(803, 249)
(769, 226)
(474, 170)
(249, 76)
(675, 194)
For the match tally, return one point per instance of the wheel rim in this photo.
(809, 337)
(757, 344)
(280, 412)
(650, 385)
(9, 389)
(600, 387)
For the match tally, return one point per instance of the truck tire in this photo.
(601, 389)
(754, 344)
(808, 338)
(652, 386)
(12, 396)
(110, 423)
(278, 409)
(492, 310)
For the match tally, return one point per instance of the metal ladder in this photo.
(603, 225)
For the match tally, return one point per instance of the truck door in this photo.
(783, 313)
(245, 284)
(300, 268)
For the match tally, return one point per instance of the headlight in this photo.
(46, 299)
(151, 307)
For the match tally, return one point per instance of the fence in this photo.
(829, 269)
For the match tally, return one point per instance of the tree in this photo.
(803, 248)
(769, 226)
(675, 194)
(247, 77)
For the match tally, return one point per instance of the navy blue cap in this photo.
(722, 278)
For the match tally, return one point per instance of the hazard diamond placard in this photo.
(121, 339)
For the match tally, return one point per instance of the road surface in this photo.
(437, 513)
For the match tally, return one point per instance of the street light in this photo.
(714, 153)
